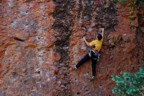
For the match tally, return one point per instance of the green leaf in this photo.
(141, 70)
(129, 84)
(127, 77)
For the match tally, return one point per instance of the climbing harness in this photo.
(97, 54)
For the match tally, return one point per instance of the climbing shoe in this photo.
(74, 68)
(92, 78)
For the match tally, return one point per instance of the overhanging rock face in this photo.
(41, 41)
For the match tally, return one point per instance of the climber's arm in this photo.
(87, 43)
(102, 29)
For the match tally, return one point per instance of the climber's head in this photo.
(99, 36)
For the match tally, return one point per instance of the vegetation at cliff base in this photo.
(129, 84)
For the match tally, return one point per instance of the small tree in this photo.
(129, 84)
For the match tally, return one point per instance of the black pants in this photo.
(93, 62)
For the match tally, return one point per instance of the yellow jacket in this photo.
(97, 44)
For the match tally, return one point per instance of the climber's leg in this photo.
(93, 64)
(83, 60)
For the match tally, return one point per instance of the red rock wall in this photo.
(26, 48)
(41, 41)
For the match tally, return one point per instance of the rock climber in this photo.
(93, 54)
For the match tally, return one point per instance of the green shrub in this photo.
(129, 84)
